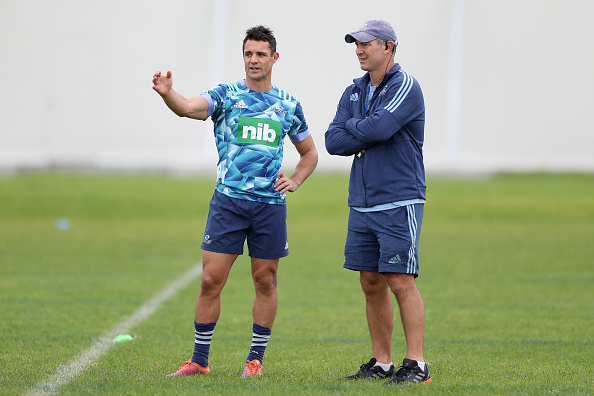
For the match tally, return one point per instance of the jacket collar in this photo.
(362, 82)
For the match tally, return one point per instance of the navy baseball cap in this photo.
(371, 30)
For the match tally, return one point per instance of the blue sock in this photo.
(260, 338)
(203, 332)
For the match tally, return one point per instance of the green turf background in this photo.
(506, 275)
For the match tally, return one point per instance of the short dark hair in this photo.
(261, 33)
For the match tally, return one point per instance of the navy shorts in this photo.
(231, 221)
(384, 241)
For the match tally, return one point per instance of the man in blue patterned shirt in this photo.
(251, 119)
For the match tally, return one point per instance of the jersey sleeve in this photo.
(299, 130)
(216, 100)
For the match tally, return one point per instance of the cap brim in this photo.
(362, 37)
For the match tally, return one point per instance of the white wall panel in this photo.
(76, 88)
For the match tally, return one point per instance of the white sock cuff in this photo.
(384, 366)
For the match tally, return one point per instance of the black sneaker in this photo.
(410, 372)
(369, 370)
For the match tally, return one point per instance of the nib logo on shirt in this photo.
(258, 131)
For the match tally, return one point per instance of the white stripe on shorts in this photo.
(412, 267)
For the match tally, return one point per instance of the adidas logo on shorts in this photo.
(395, 260)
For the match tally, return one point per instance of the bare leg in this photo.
(412, 312)
(215, 271)
(380, 314)
(264, 275)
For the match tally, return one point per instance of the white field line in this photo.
(65, 374)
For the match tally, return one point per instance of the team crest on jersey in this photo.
(280, 110)
(258, 131)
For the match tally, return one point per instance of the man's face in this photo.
(258, 59)
(371, 55)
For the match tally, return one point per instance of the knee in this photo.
(264, 282)
(401, 283)
(211, 283)
(373, 283)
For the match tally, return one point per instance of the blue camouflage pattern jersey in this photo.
(249, 129)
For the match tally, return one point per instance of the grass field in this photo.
(506, 274)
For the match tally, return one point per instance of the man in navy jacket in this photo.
(380, 120)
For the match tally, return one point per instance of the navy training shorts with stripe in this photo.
(384, 241)
(231, 221)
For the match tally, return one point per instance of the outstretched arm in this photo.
(195, 107)
(306, 165)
